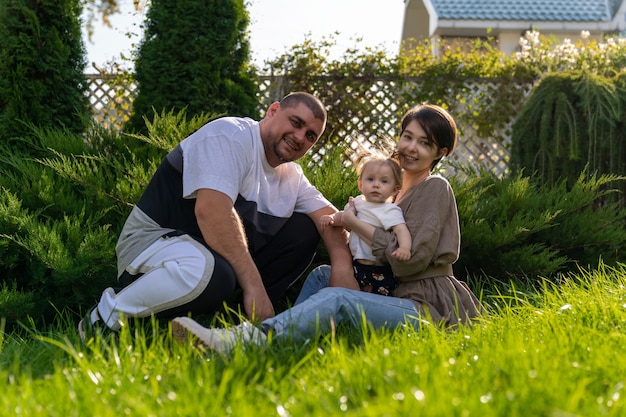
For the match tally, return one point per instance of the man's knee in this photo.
(302, 228)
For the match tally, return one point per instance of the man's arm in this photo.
(336, 241)
(223, 231)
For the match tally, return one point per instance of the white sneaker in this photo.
(219, 340)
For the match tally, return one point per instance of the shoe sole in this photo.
(87, 329)
(186, 330)
(81, 330)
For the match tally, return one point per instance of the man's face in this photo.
(289, 132)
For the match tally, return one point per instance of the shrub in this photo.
(513, 228)
(50, 263)
(572, 120)
(42, 60)
(194, 56)
(335, 178)
(540, 55)
(518, 228)
(61, 211)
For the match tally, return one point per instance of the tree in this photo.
(42, 61)
(194, 56)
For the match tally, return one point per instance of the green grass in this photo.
(555, 352)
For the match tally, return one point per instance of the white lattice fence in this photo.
(111, 101)
(381, 101)
(491, 150)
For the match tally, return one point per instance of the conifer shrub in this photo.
(194, 56)
(335, 178)
(57, 236)
(64, 196)
(63, 201)
(61, 213)
(513, 228)
(51, 264)
(332, 174)
(42, 61)
(572, 121)
(519, 228)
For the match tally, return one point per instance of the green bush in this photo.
(540, 55)
(61, 211)
(194, 56)
(64, 196)
(42, 61)
(48, 264)
(517, 228)
(573, 120)
(331, 174)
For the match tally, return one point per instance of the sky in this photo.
(275, 26)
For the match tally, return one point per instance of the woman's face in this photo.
(417, 153)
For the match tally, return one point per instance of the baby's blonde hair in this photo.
(383, 153)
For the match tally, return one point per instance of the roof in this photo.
(534, 10)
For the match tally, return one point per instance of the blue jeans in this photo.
(318, 278)
(319, 307)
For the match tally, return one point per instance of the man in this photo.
(227, 207)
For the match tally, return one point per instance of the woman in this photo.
(426, 288)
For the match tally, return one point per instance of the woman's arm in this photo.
(403, 234)
(431, 216)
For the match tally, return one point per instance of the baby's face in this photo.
(377, 183)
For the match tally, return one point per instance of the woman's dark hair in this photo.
(437, 123)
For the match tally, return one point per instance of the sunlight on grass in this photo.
(553, 352)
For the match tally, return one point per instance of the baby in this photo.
(379, 181)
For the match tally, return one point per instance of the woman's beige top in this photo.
(426, 278)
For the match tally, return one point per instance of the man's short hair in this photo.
(313, 103)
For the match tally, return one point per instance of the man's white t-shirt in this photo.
(225, 155)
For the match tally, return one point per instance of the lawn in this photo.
(556, 351)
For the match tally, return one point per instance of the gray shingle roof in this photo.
(536, 10)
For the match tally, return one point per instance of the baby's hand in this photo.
(326, 221)
(401, 254)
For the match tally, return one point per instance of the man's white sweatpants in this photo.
(176, 270)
